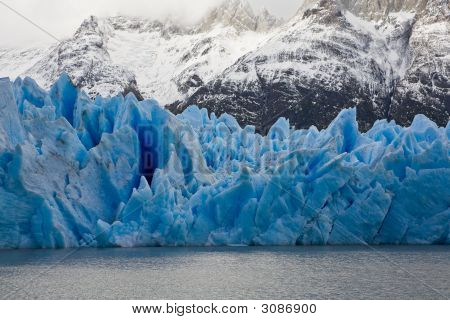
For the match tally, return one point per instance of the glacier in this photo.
(118, 172)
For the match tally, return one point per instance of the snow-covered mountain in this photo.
(239, 14)
(86, 58)
(425, 85)
(158, 59)
(322, 60)
(390, 59)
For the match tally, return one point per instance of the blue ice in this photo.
(121, 172)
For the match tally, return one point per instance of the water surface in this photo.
(227, 273)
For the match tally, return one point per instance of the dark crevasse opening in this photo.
(150, 145)
(157, 138)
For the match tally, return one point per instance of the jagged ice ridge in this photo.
(119, 172)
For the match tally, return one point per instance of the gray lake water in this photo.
(227, 273)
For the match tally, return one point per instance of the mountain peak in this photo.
(240, 15)
(93, 27)
(266, 21)
(236, 5)
(89, 25)
(235, 13)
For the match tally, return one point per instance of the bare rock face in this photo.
(390, 59)
(319, 63)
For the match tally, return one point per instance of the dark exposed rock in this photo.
(327, 60)
(388, 58)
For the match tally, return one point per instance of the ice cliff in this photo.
(119, 172)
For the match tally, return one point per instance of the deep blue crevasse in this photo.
(118, 172)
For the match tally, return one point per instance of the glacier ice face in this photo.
(119, 172)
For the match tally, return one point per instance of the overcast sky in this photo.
(62, 17)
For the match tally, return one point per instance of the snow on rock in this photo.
(240, 15)
(162, 59)
(389, 59)
(85, 58)
(121, 172)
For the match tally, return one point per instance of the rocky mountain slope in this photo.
(425, 86)
(158, 59)
(86, 59)
(390, 59)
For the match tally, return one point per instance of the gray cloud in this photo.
(62, 17)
